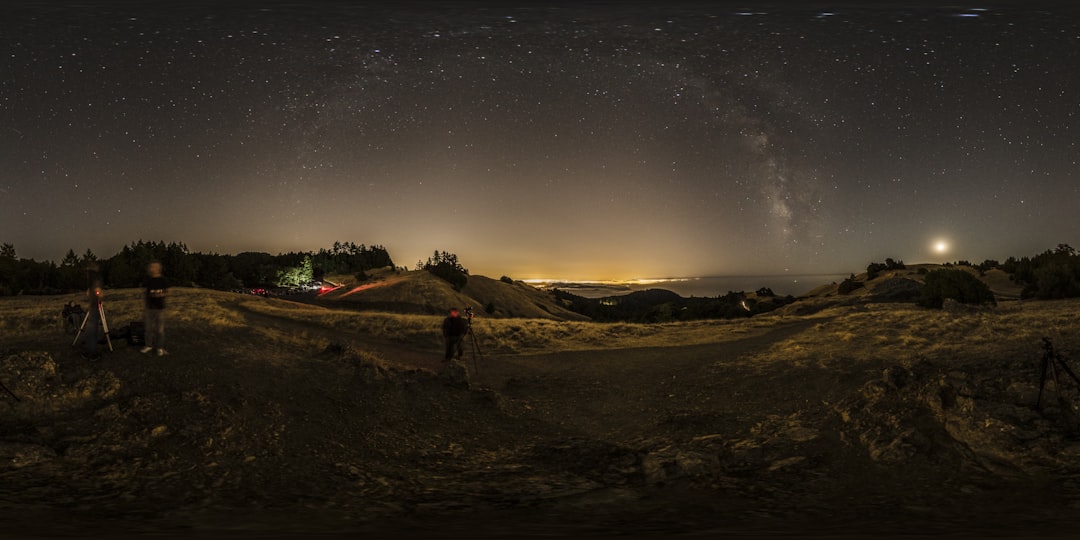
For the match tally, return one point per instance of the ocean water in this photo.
(707, 287)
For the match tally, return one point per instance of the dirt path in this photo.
(655, 386)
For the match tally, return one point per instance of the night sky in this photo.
(545, 140)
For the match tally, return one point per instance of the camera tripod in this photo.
(104, 325)
(475, 344)
(1051, 360)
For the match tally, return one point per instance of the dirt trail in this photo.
(652, 384)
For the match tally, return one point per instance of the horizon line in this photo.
(713, 276)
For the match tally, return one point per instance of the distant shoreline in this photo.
(704, 287)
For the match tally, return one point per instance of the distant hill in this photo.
(420, 292)
(661, 305)
(878, 288)
(901, 285)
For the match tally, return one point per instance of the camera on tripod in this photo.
(1052, 361)
(468, 313)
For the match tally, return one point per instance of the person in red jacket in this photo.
(453, 331)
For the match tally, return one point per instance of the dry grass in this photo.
(1010, 332)
(29, 315)
(521, 336)
(848, 334)
(217, 311)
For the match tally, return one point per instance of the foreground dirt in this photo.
(234, 434)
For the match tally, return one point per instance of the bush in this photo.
(874, 269)
(506, 279)
(1056, 280)
(849, 285)
(956, 284)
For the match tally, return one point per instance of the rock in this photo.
(671, 463)
(22, 455)
(29, 375)
(786, 463)
(454, 373)
(800, 434)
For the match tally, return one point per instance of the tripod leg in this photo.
(1067, 369)
(476, 352)
(105, 325)
(1047, 365)
(10, 393)
(81, 326)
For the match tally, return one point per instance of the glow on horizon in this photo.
(608, 282)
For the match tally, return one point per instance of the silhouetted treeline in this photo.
(660, 305)
(184, 268)
(1054, 273)
(445, 265)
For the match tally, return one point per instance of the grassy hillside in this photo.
(901, 285)
(420, 292)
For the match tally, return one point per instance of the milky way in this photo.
(548, 141)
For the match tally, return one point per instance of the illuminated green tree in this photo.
(296, 276)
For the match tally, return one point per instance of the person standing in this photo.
(92, 323)
(453, 331)
(156, 288)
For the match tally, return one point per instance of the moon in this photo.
(941, 247)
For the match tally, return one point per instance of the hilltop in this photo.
(900, 285)
(275, 417)
(422, 293)
(883, 286)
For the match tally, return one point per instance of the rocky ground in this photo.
(237, 435)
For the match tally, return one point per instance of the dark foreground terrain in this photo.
(238, 433)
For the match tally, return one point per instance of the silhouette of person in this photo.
(156, 288)
(73, 315)
(453, 330)
(91, 330)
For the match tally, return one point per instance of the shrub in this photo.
(506, 279)
(1056, 280)
(849, 285)
(874, 269)
(956, 284)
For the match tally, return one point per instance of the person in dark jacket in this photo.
(155, 288)
(454, 329)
